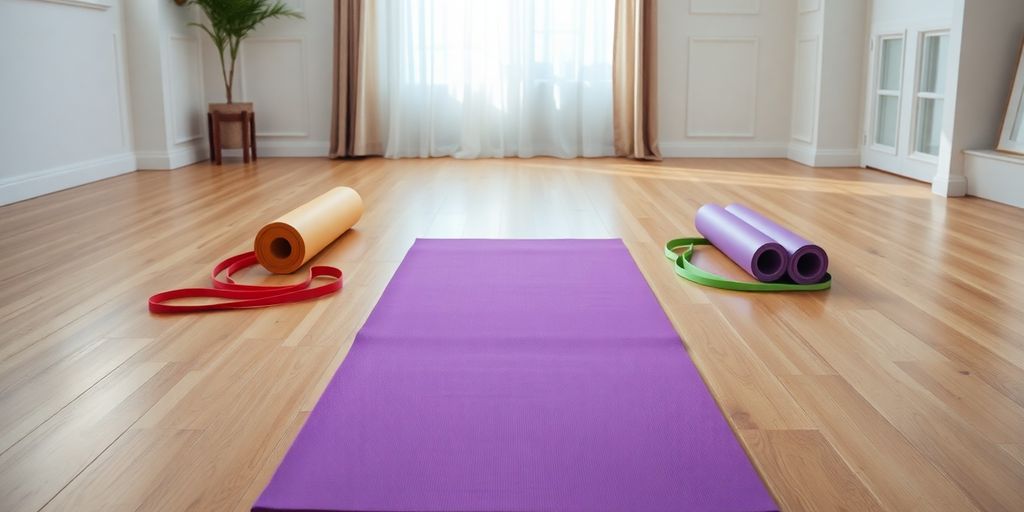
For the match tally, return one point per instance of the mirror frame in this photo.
(1013, 109)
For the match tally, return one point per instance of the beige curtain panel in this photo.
(355, 120)
(635, 81)
(345, 105)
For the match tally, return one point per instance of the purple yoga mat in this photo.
(807, 262)
(749, 248)
(501, 375)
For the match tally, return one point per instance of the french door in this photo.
(906, 91)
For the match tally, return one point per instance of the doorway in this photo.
(904, 110)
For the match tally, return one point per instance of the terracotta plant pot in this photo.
(231, 133)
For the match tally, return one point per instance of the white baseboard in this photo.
(812, 157)
(837, 158)
(180, 157)
(722, 149)
(995, 176)
(801, 154)
(282, 148)
(26, 186)
(949, 186)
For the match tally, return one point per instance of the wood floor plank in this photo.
(42, 463)
(803, 461)
(25, 409)
(243, 437)
(985, 472)
(995, 416)
(749, 395)
(901, 388)
(845, 417)
(144, 457)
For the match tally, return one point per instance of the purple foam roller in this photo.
(807, 262)
(759, 255)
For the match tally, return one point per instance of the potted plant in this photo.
(229, 22)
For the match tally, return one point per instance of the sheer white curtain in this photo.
(492, 78)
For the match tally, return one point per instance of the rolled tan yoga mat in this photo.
(290, 241)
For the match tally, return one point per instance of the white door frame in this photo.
(903, 159)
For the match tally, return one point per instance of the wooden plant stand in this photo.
(248, 121)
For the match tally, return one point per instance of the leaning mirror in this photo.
(1011, 137)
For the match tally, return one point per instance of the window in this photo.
(931, 86)
(472, 78)
(887, 107)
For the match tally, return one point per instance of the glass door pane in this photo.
(933, 63)
(887, 106)
(892, 58)
(888, 115)
(929, 125)
(931, 87)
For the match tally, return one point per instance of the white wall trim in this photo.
(122, 98)
(949, 186)
(723, 149)
(91, 4)
(26, 186)
(807, 6)
(170, 93)
(815, 88)
(286, 148)
(695, 8)
(178, 157)
(751, 131)
(801, 153)
(302, 62)
(995, 176)
(812, 157)
(837, 158)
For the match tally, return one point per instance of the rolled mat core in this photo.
(283, 246)
(807, 261)
(760, 256)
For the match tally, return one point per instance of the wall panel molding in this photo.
(806, 84)
(90, 4)
(285, 110)
(721, 92)
(122, 98)
(808, 6)
(183, 130)
(725, 6)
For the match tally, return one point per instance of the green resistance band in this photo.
(687, 270)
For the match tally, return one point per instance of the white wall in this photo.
(285, 69)
(746, 59)
(995, 175)
(64, 114)
(165, 74)
(725, 77)
(989, 33)
(842, 80)
(828, 79)
(92, 92)
(807, 61)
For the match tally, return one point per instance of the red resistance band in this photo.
(246, 295)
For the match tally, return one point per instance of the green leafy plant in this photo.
(231, 21)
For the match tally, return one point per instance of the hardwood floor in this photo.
(902, 388)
